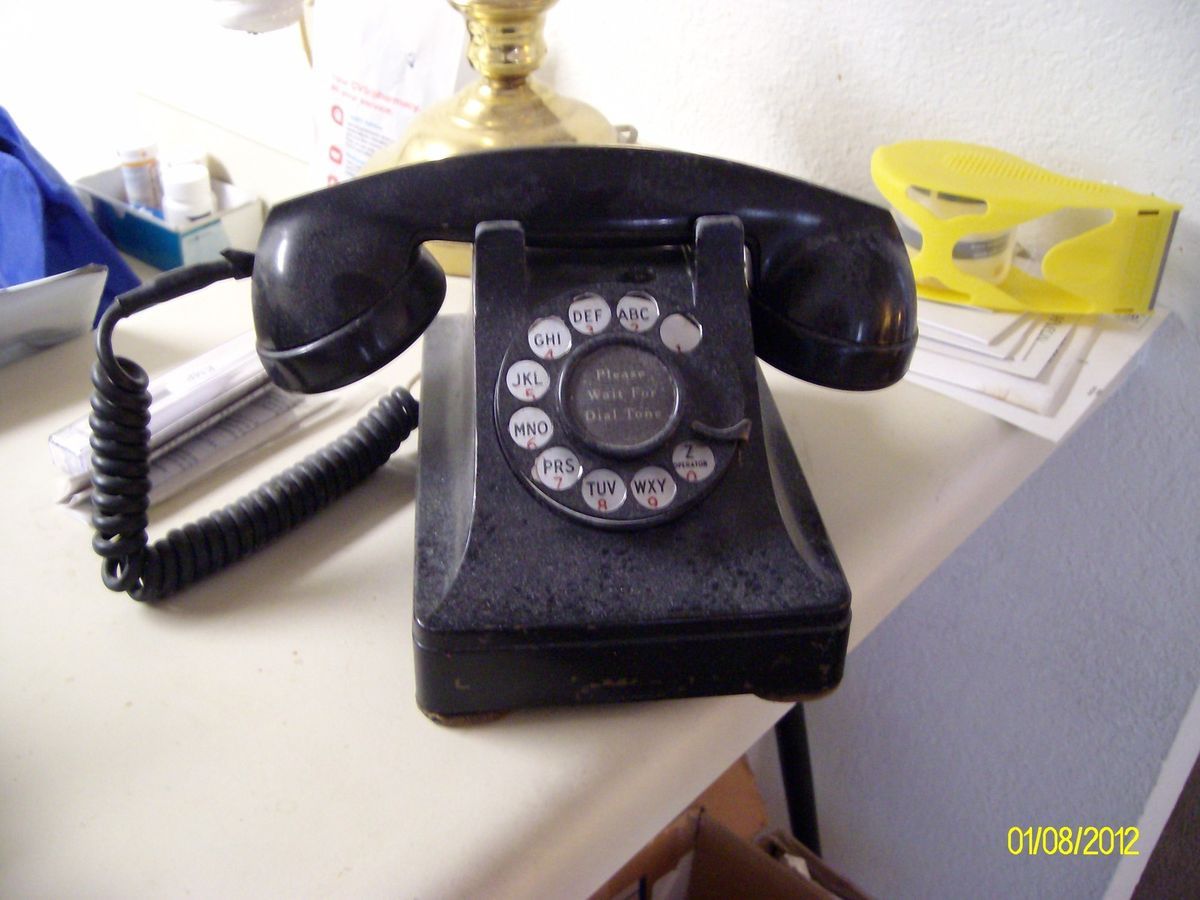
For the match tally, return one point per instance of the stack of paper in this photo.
(1041, 373)
(203, 414)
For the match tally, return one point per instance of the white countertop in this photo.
(258, 736)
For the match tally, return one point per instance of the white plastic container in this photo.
(187, 194)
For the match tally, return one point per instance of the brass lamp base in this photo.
(503, 108)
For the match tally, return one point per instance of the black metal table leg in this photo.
(791, 738)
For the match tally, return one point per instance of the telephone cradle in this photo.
(608, 505)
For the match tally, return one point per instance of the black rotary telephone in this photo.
(608, 506)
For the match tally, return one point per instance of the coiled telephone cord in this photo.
(121, 464)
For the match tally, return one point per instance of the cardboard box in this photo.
(237, 223)
(717, 849)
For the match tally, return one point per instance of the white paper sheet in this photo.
(1042, 395)
(376, 64)
(969, 323)
(1107, 362)
(1029, 360)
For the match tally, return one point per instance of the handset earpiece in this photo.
(837, 307)
(336, 295)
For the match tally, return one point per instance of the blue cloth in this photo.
(44, 229)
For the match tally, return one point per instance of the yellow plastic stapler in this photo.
(985, 228)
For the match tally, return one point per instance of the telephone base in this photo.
(708, 571)
(498, 628)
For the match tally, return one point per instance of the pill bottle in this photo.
(187, 194)
(140, 173)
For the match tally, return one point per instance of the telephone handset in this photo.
(341, 286)
(608, 507)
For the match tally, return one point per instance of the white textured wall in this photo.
(1040, 676)
(1104, 89)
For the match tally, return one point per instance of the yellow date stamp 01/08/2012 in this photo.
(1073, 840)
